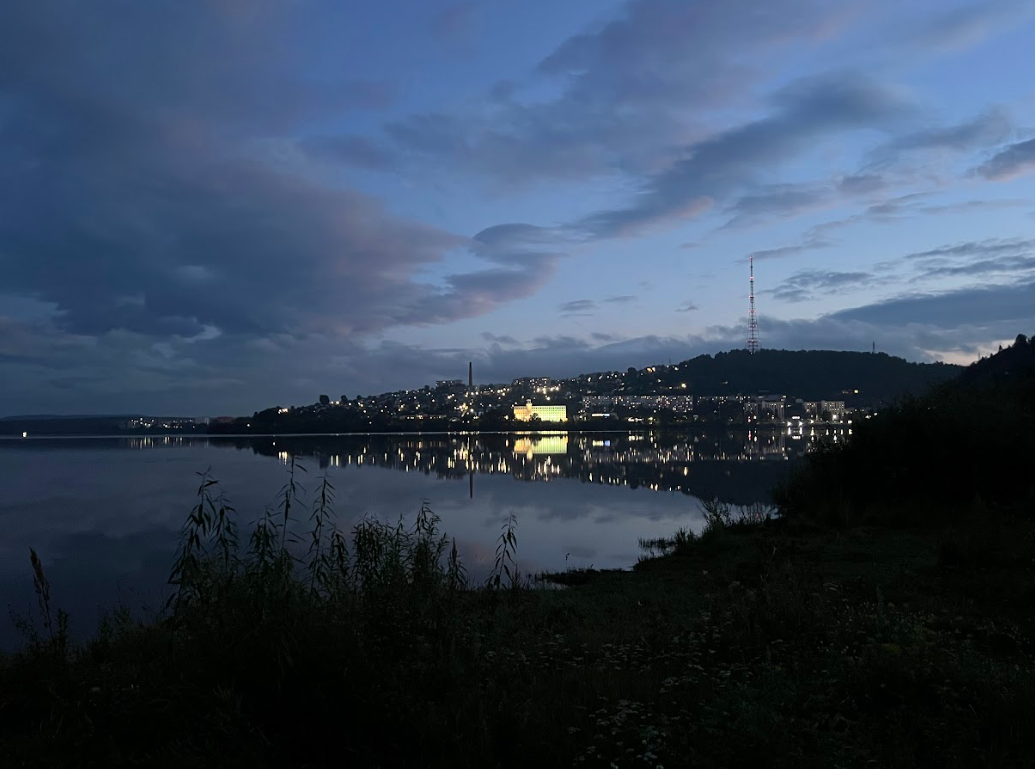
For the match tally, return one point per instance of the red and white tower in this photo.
(752, 340)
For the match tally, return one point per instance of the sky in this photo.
(216, 207)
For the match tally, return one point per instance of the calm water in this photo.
(104, 513)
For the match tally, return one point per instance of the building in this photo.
(532, 381)
(836, 410)
(544, 413)
(768, 408)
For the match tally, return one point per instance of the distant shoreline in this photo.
(217, 436)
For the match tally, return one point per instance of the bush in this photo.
(922, 462)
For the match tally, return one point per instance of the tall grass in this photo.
(304, 645)
(719, 516)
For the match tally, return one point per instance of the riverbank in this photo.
(766, 643)
(884, 619)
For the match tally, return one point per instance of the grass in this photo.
(761, 641)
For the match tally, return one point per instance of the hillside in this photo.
(809, 374)
(1012, 365)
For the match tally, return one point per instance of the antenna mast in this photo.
(752, 340)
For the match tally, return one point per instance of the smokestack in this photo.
(470, 375)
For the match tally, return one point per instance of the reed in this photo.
(761, 644)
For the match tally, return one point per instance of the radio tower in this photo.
(752, 340)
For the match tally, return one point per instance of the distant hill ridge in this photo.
(809, 374)
(1011, 365)
(43, 417)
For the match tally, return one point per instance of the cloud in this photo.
(719, 167)
(45, 367)
(996, 306)
(891, 210)
(121, 188)
(861, 183)
(777, 200)
(983, 131)
(500, 339)
(964, 26)
(578, 307)
(928, 327)
(1003, 266)
(626, 92)
(992, 247)
(687, 306)
(804, 285)
(810, 243)
(985, 258)
(623, 299)
(356, 151)
(147, 215)
(1016, 160)
(884, 169)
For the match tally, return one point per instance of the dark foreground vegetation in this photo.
(885, 619)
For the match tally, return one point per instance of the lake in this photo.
(104, 513)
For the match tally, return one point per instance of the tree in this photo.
(325, 400)
(344, 399)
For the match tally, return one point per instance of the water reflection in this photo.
(104, 513)
(724, 464)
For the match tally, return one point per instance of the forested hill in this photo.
(1013, 365)
(808, 374)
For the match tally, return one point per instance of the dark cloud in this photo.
(623, 299)
(992, 306)
(885, 169)
(500, 339)
(177, 254)
(990, 258)
(53, 367)
(983, 131)
(719, 167)
(861, 184)
(992, 247)
(578, 307)
(916, 327)
(136, 207)
(810, 243)
(888, 211)
(804, 285)
(1002, 266)
(687, 306)
(1015, 160)
(626, 89)
(777, 200)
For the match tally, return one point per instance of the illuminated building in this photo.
(550, 444)
(545, 413)
(836, 409)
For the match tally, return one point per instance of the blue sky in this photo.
(216, 207)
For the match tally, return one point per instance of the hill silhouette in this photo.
(858, 378)
(968, 442)
(1013, 365)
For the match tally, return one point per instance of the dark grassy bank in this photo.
(882, 621)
